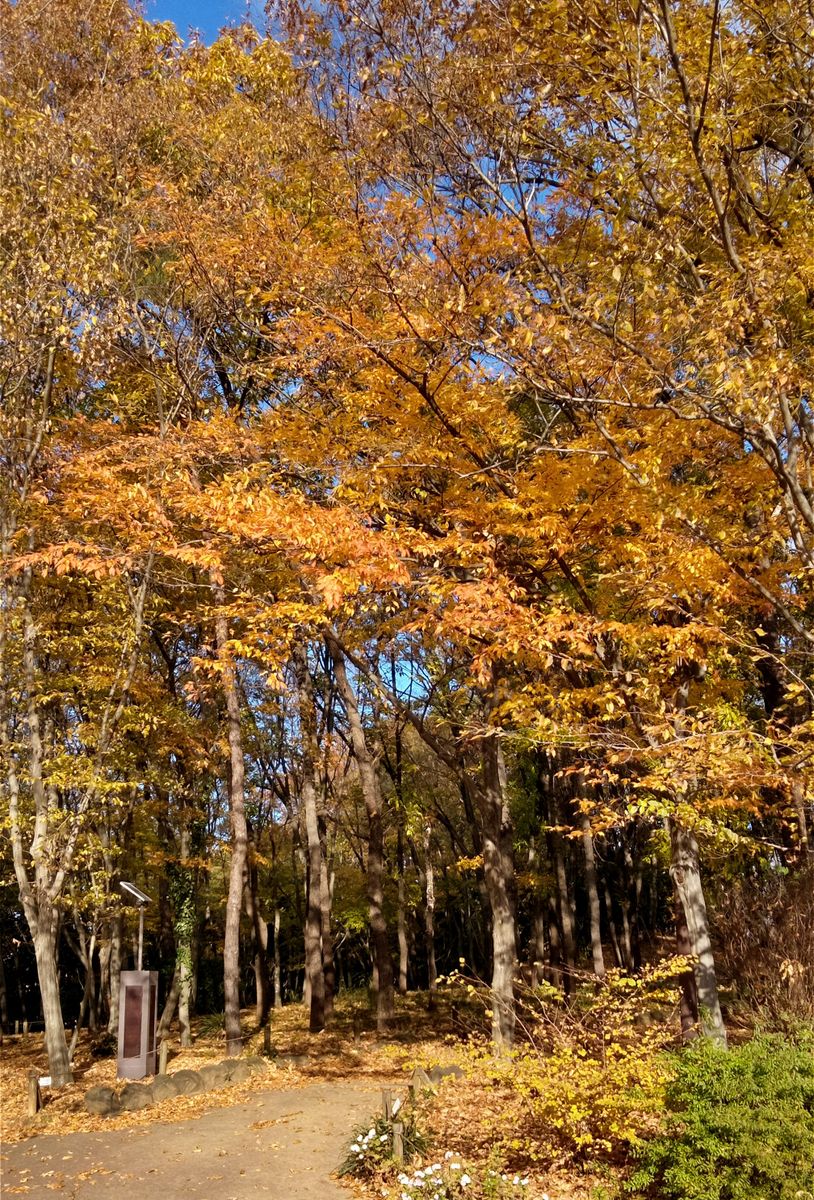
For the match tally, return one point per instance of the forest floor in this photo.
(280, 1136)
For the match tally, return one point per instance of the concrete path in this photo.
(280, 1145)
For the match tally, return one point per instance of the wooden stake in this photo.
(398, 1142)
(387, 1105)
(163, 1051)
(34, 1095)
(267, 1040)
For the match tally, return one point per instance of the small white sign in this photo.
(44, 1081)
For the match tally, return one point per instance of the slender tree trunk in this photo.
(593, 897)
(371, 792)
(566, 912)
(260, 931)
(401, 915)
(309, 793)
(498, 870)
(429, 916)
(277, 971)
(326, 897)
(537, 947)
(617, 953)
(3, 998)
(686, 875)
(554, 970)
(239, 833)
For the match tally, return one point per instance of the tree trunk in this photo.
(59, 1062)
(326, 896)
(309, 793)
(554, 970)
(566, 912)
(614, 937)
(371, 792)
(429, 916)
(593, 897)
(3, 998)
(401, 916)
(115, 972)
(686, 875)
(688, 1003)
(239, 833)
(498, 870)
(537, 946)
(277, 972)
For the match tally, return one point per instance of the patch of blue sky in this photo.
(205, 17)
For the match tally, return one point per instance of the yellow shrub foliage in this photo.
(591, 1073)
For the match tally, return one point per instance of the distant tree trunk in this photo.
(260, 930)
(3, 998)
(686, 875)
(566, 911)
(429, 916)
(617, 952)
(498, 870)
(371, 792)
(593, 897)
(277, 971)
(325, 897)
(554, 971)
(239, 833)
(401, 913)
(309, 792)
(537, 946)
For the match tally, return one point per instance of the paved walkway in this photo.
(279, 1145)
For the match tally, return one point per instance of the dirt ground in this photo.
(281, 1145)
(281, 1135)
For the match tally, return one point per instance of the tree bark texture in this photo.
(498, 869)
(238, 831)
(371, 793)
(686, 875)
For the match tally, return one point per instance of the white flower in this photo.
(383, 1138)
(405, 1196)
(516, 1180)
(465, 1180)
(402, 1178)
(435, 1167)
(448, 1155)
(524, 1182)
(454, 1166)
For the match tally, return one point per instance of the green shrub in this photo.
(739, 1125)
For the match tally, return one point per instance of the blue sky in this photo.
(205, 15)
